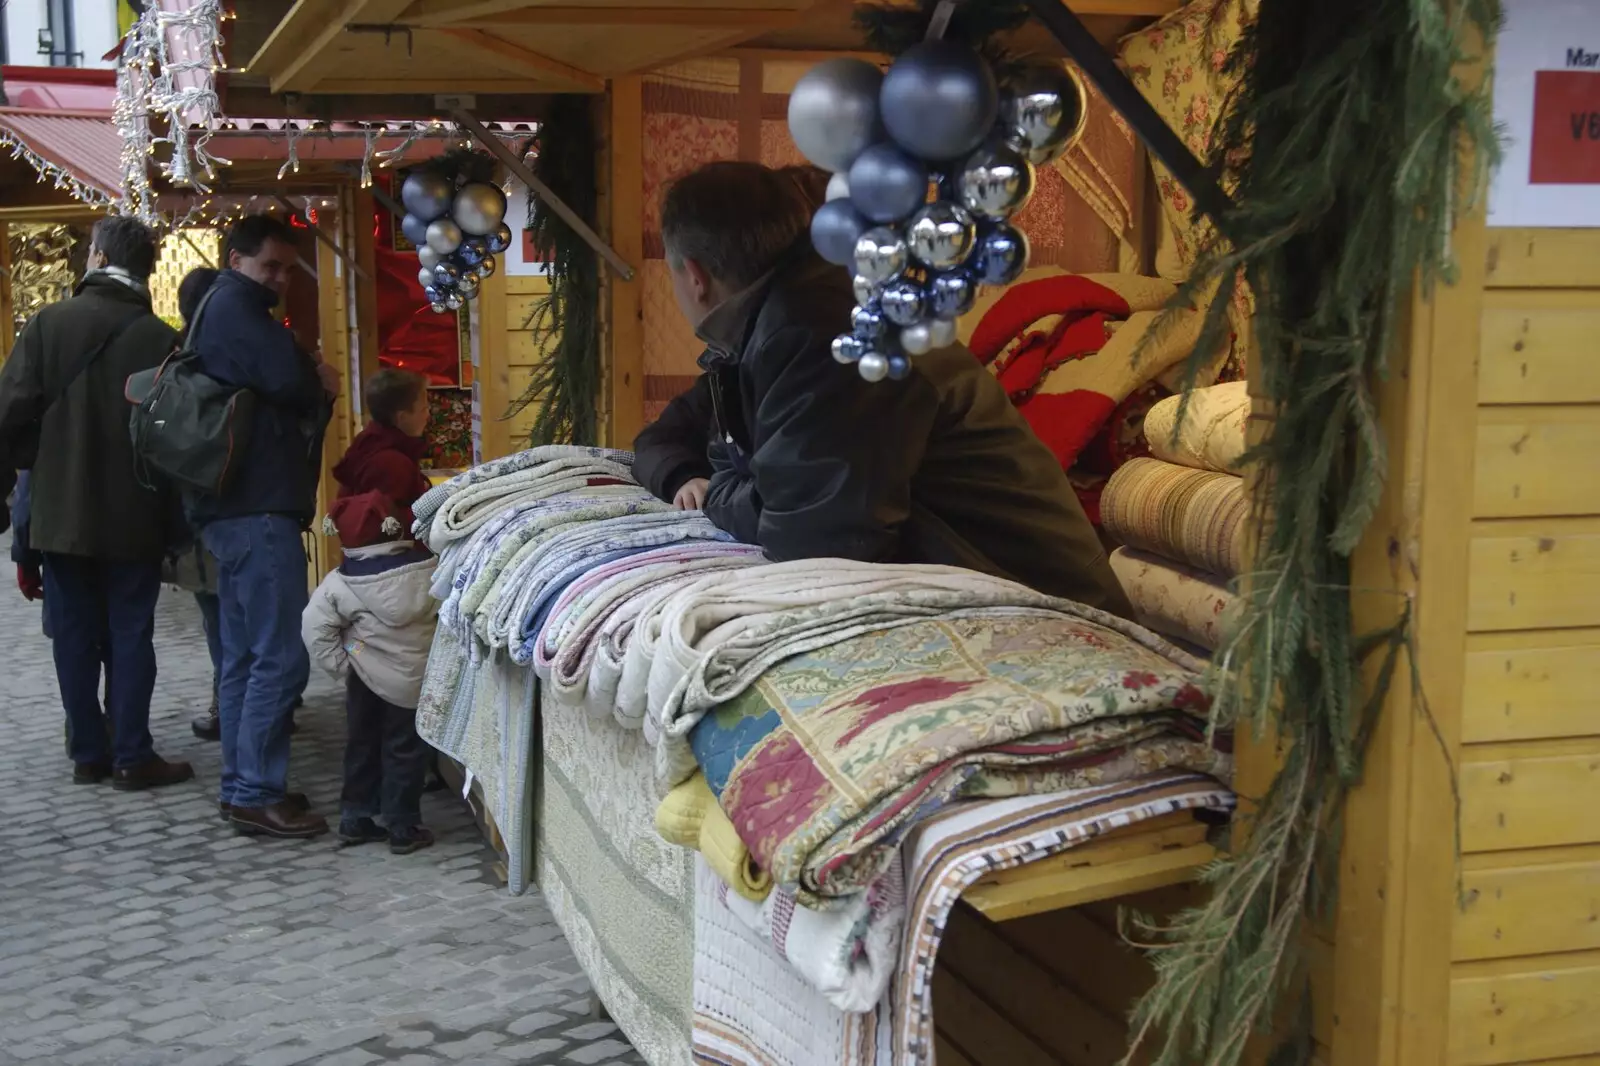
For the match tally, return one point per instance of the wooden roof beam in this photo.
(761, 19)
(289, 58)
(477, 43)
(446, 12)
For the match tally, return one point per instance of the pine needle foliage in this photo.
(1346, 139)
(565, 385)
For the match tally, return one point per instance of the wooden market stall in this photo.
(1486, 538)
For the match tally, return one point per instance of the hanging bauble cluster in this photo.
(458, 227)
(929, 163)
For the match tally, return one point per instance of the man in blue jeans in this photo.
(101, 533)
(253, 529)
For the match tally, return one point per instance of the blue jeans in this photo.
(261, 588)
(104, 612)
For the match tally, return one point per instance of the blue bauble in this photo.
(904, 302)
(835, 228)
(868, 324)
(939, 101)
(886, 184)
(899, 367)
(472, 252)
(500, 239)
(433, 294)
(447, 274)
(427, 194)
(1002, 255)
(952, 294)
(848, 348)
(415, 229)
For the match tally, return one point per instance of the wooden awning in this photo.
(529, 46)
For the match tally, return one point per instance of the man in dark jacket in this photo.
(101, 533)
(808, 460)
(254, 527)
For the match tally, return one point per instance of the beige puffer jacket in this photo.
(381, 624)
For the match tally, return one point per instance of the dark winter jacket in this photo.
(808, 460)
(22, 551)
(383, 459)
(86, 499)
(241, 344)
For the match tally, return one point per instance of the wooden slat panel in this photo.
(526, 284)
(1538, 460)
(1539, 347)
(1543, 574)
(1532, 907)
(1526, 686)
(1524, 1010)
(984, 1032)
(524, 348)
(1543, 259)
(520, 307)
(1545, 798)
(1103, 967)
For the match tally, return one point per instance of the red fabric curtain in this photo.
(410, 335)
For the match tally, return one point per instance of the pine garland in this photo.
(565, 386)
(1347, 134)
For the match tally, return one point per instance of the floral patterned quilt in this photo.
(828, 759)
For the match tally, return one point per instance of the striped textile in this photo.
(1193, 516)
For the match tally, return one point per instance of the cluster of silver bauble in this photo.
(458, 227)
(929, 163)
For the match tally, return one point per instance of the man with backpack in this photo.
(101, 532)
(253, 525)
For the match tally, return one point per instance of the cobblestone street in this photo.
(136, 929)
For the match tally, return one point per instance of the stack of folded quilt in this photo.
(806, 719)
(1180, 515)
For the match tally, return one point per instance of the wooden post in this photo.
(491, 381)
(8, 311)
(624, 174)
(334, 330)
(356, 203)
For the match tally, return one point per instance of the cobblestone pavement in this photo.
(136, 929)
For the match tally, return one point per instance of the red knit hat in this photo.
(364, 520)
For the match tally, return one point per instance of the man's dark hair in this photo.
(734, 219)
(194, 285)
(812, 183)
(126, 243)
(251, 232)
(391, 391)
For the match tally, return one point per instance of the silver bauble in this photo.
(453, 302)
(427, 256)
(479, 208)
(941, 235)
(425, 277)
(839, 186)
(866, 291)
(995, 182)
(447, 273)
(438, 307)
(486, 268)
(500, 239)
(874, 366)
(868, 325)
(942, 332)
(1043, 112)
(426, 194)
(917, 339)
(881, 255)
(847, 349)
(904, 302)
(833, 112)
(444, 236)
(467, 286)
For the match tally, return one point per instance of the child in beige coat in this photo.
(371, 622)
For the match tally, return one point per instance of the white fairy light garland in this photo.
(60, 176)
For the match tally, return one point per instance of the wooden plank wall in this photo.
(522, 353)
(1525, 975)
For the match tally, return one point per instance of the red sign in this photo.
(1566, 128)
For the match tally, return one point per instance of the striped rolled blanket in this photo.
(466, 512)
(1193, 516)
(429, 503)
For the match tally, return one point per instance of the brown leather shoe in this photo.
(207, 726)
(90, 773)
(297, 800)
(154, 772)
(281, 819)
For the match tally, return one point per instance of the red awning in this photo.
(79, 150)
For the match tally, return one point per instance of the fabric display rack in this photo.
(752, 792)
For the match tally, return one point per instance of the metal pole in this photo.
(1123, 95)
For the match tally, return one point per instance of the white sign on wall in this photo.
(1547, 99)
(519, 259)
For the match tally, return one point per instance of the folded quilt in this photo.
(1212, 433)
(1193, 516)
(1173, 599)
(690, 818)
(429, 503)
(465, 512)
(827, 759)
(698, 646)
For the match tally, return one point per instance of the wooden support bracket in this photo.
(523, 173)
